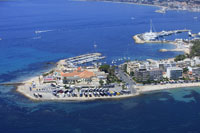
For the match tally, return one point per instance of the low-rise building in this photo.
(195, 71)
(78, 75)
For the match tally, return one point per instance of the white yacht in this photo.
(148, 36)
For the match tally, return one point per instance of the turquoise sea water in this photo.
(73, 27)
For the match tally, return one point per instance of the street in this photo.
(127, 79)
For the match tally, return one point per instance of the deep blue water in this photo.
(75, 26)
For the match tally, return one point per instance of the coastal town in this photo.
(86, 77)
(77, 78)
(189, 5)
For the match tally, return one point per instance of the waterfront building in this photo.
(49, 79)
(156, 74)
(78, 75)
(195, 61)
(164, 65)
(142, 75)
(86, 76)
(174, 73)
(132, 66)
(195, 71)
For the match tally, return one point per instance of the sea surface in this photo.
(35, 32)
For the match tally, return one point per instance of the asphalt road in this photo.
(127, 79)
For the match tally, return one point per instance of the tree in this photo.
(195, 49)
(180, 57)
(101, 82)
(185, 70)
(105, 68)
(125, 67)
(132, 74)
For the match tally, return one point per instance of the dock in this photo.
(86, 58)
(12, 84)
(152, 37)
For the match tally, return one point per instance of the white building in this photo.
(174, 73)
(195, 71)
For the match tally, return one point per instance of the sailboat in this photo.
(148, 36)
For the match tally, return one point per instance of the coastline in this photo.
(161, 10)
(140, 41)
(150, 88)
(125, 3)
(23, 89)
(25, 92)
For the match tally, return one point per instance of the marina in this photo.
(76, 25)
(86, 58)
(69, 80)
(182, 45)
(152, 37)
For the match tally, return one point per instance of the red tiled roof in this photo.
(81, 74)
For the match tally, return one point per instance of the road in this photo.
(127, 79)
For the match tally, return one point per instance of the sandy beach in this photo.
(148, 88)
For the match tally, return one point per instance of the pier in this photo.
(12, 84)
(86, 58)
(152, 37)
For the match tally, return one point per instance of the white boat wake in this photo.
(42, 31)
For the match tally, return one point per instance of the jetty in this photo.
(152, 37)
(85, 58)
(161, 10)
(12, 84)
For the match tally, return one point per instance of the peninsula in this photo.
(84, 78)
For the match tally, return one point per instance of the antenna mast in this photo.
(151, 26)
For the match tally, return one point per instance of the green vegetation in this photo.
(105, 68)
(195, 49)
(101, 82)
(131, 74)
(66, 87)
(46, 74)
(111, 78)
(180, 57)
(125, 68)
(185, 70)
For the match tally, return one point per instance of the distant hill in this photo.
(190, 5)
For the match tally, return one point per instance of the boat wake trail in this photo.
(42, 31)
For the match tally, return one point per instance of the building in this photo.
(156, 74)
(132, 66)
(78, 75)
(195, 61)
(142, 75)
(174, 73)
(195, 71)
(164, 65)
